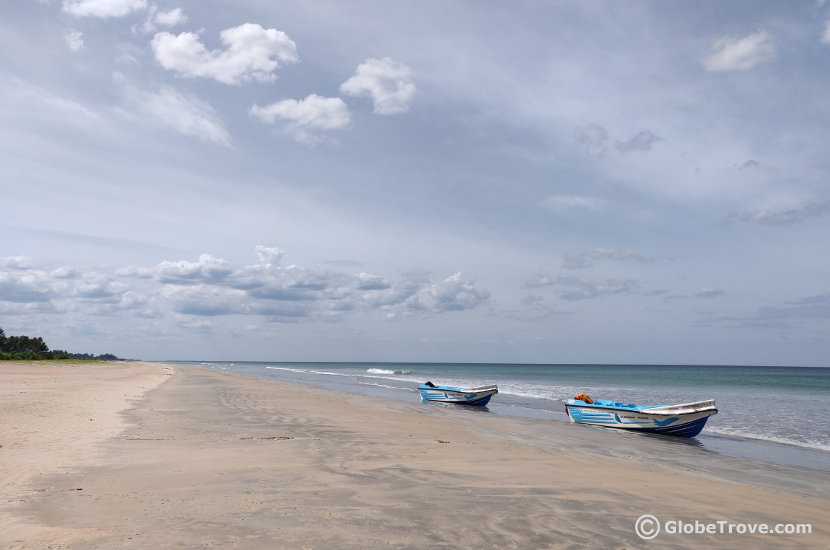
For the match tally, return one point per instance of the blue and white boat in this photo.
(684, 420)
(465, 396)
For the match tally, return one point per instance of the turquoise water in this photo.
(784, 406)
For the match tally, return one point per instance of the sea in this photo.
(776, 414)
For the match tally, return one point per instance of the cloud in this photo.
(269, 255)
(211, 287)
(451, 294)
(170, 18)
(16, 263)
(157, 18)
(371, 282)
(182, 272)
(306, 117)
(205, 300)
(25, 286)
(584, 260)
(560, 203)
(169, 108)
(825, 37)
(388, 82)
(793, 312)
(740, 54)
(784, 217)
(572, 288)
(103, 8)
(74, 39)
(709, 293)
(252, 53)
(24, 95)
(640, 142)
(750, 164)
(594, 137)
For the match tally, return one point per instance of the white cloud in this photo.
(211, 287)
(740, 54)
(252, 52)
(451, 294)
(388, 82)
(594, 137)
(182, 272)
(157, 18)
(103, 8)
(187, 115)
(74, 39)
(24, 95)
(560, 203)
(308, 116)
(170, 18)
(269, 255)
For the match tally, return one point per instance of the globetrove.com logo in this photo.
(648, 527)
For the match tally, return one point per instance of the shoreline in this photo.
(517, 405)
(220, 459)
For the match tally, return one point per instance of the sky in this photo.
(468, 181)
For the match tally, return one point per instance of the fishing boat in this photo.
(684, 420)
(465, 396)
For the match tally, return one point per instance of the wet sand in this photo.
(184, 457)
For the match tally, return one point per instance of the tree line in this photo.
(34, 348)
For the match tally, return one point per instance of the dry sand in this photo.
(207, 460)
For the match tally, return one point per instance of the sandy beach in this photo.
(140, 455)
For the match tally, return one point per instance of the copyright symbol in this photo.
(647, 527)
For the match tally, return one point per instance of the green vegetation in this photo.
(24, 348)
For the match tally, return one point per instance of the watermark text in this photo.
(648, 527)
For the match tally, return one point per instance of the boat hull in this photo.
(461, 396)
(679, 420)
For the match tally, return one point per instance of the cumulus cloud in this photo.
(103, 8)
(210, 287)
(740, 54)
(582, 260)
(182, 272)
(170, 18)
(25, 286)
(389, 83)
(251, 53)
(560, 203)
(74, 39)
(307, 117)
(269, 255)
(169, 108)
(594, 137)
(159, 18)
(640, 142)
(451, 294)
(16, 263)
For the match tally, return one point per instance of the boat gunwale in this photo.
(643, 410)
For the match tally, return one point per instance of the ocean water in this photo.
(773, 413)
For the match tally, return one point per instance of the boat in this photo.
(684, 420)
(465, 396)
